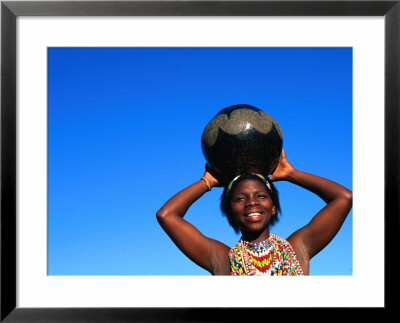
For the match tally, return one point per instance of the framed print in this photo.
(81, 183)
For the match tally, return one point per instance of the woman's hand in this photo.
(283, 170)
(212, 177)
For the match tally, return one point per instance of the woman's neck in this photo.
(255, 237)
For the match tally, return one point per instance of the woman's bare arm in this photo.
(204, 251)
(323, 227)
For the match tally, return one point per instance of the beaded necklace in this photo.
(273, 256)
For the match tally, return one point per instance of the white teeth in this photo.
(254, 214)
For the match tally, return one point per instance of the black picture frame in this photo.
(10, 10)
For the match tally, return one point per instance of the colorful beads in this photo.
(274, 257)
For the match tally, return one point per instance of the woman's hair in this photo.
(227, 196)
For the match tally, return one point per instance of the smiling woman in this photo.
(251, 205)
(252, 208)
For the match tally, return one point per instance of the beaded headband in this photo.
(255, 174)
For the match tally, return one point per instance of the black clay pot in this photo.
(242, 138)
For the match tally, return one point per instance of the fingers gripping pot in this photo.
(242, 138)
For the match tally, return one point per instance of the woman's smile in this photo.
(254, 216)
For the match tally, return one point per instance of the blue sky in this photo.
(124, 130)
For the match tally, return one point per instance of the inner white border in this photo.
(364, 288)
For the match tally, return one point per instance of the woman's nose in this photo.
(251, 201)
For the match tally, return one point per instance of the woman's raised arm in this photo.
(205, 252)
(323, 227)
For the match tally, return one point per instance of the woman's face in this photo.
(251, 206)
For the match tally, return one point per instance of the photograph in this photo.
(125, 133)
